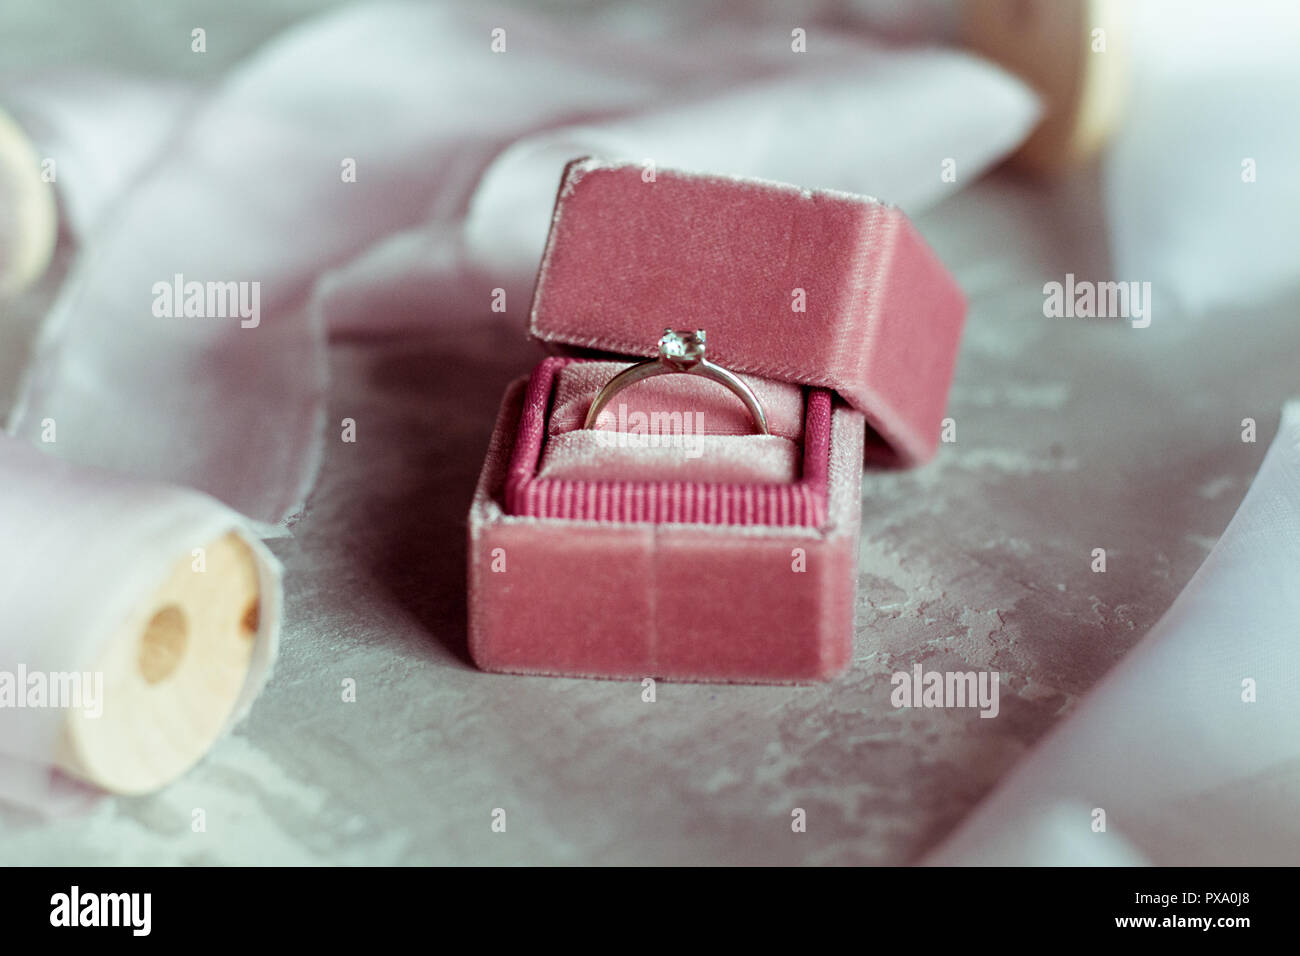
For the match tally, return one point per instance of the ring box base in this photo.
(685, 601)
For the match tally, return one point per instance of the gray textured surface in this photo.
(1072, 434)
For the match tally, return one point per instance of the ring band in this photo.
(680, 352)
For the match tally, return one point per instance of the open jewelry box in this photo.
(701, 550)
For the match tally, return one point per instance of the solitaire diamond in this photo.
(680, 349)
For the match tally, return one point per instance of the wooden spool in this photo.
(29, 213)
(173, 673)
(1050, 44)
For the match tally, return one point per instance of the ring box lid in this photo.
(814, 287)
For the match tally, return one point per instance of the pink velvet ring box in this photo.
(671, 540)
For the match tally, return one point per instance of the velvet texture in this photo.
(593, 560)
(881, 317)
(589, 456)
(643, 498)
(708, 602)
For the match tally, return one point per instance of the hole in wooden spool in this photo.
(163, 644)
(252, 618)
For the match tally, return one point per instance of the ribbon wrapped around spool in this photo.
(141, 620)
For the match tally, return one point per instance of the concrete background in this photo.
(1072, 434)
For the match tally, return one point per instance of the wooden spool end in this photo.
(29, 213)
(173, 673)
(1050, 44)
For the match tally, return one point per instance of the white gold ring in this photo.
(679, 352)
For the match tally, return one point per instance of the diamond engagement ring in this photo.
(682, 352)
